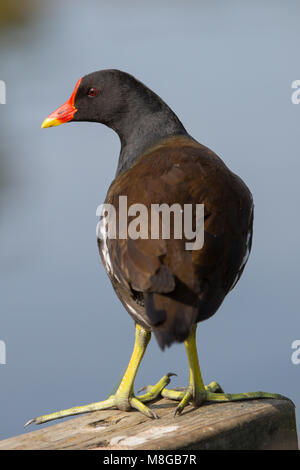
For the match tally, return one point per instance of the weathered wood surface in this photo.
(257, 424)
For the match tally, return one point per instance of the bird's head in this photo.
(106, 97)
(120, 101)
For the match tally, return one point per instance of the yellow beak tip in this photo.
(50, 123)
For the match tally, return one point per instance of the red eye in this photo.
(93, 92)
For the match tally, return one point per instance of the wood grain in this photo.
(257, 424)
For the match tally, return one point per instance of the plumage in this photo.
(165, 286)
(170, 287)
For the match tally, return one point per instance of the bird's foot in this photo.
(119, 401)
(187, 395)
(212, 393)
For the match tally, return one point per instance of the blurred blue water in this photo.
(227, 71)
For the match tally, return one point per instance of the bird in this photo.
(166, 288)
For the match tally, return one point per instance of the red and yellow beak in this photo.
(64, 113)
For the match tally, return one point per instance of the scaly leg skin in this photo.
(197, 393)
(179, 392)
(124, 398)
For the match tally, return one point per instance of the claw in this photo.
(29, 422)
(138, 405)
(155, 416)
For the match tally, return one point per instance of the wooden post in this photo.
(257, 424)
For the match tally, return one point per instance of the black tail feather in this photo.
(171, 321)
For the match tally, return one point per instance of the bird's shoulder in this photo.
(181, 170)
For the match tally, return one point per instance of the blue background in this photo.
(226, 69)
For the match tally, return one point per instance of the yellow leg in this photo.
(125, 389)
(197, 393)
(124, 398)
(196, 389)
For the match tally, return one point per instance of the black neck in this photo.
(144, 123)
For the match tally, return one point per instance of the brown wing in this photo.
(164, 286)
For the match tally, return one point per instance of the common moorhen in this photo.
(165, 287)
